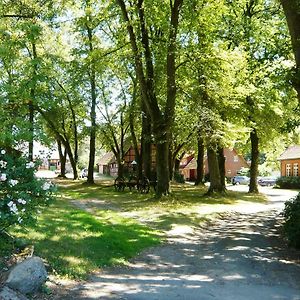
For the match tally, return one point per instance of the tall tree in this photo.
(292, 12)
(162, 117)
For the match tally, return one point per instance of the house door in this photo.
(192, 174)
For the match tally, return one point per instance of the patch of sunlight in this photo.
(73, 260)
(55, 238)
(118, 261)
(233, 277)
(208, 257)
(82, 235)
(238, 248)
(180, 230)
(195, 277)
(241, 239)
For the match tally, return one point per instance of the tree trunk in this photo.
(90, 177)
(214, 172)
(146, 146)
(72, 160)
(162, 169)
(200, 162)
(120, 167)
(222, 169)
(30, 105)
(292, 12)
(63, 158)
(254, 161)
(171, 164)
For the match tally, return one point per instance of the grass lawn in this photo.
(113, 226)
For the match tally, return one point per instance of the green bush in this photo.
(292, 221)
(21, 193)
(179, 177)
(288, 182)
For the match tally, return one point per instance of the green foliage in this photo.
(178, 177)
(21, 193)
(292, 221)
(288, 182)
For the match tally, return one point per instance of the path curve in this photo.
(239, 256)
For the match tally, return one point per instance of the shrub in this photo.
(21, 193)
(288, 182)
(178, 177)
(292, 221)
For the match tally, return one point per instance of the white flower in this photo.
(46, 186)
(10, 203)
(3, 164)
(20, 219)
(30, 165)
(21, 201)
(14, 208)
(3, 152)
(3, 177)
(13, 182)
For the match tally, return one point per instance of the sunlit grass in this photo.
(92, 226)
(188, 204)
(75, 243)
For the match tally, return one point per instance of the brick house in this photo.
(108, 163)
(233, 163)
(290, 161)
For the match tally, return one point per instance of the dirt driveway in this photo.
(240, 256)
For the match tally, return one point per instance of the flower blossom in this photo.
(13, 207)
(13, 182)
(21, 201)
(3, 152)
(3, 164)
(30, 165)
(20, 219)
(46, 186)
(3, 177)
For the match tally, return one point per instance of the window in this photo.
(295, 169)
(288, 170)
(235, 158)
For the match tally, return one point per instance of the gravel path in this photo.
(239, 256)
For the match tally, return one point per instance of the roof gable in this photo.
(291, 152)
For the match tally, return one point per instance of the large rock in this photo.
(28, 276)
(8, 294)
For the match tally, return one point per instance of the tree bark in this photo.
(62, 158)
(253, 188)
(214, 172)
(31, 101)
(92, 75)
(200, 161)
(146, 145)
(221, 159)
(162, 168)
(292, 12)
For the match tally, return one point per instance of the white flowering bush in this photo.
(21, 193)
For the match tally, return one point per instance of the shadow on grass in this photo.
(182, 195)
(75, 243)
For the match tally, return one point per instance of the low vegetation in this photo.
(90, 227)
(288, 182)
(292, 221)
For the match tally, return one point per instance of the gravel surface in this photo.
(241, 256)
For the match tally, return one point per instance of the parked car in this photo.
(240, 180)
(83, 173)
(267, 181)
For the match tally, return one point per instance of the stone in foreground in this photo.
(28, 276)
(8, 294)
